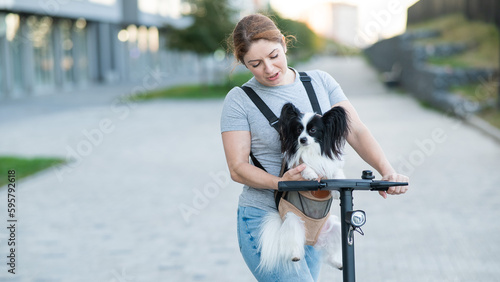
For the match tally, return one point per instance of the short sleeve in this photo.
(234, 117)
(335, 92)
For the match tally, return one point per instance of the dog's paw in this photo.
(337, 265)
(297, 252)
(334, 260)
(309, 174)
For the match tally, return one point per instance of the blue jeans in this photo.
(249, 221)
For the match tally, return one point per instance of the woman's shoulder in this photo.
(237, 91)
(318, 74)
(322, 77)
(237, 97)
(233, 95)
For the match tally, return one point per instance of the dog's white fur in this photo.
(282, 241)
(310, 154)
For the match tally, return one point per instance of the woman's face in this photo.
(267, 62)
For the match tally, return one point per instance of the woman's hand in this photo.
(294, 174)
(396, 190)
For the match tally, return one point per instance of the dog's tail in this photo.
(269, 242)
(277, 241)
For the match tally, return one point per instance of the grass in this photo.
(441, 23)
(489, 114)
(24, 167)
(428, 106)
(451, 62)
(196, 91)
(483, 52)
(481, 37)
(492, 116)
(484, 91)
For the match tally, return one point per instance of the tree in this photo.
(211, 25)
(207, 34)
(307, 42)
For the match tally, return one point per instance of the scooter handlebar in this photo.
(338, 184)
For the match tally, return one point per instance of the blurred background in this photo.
(109, 116)
(58, 45)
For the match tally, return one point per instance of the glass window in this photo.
(67, 62)
(104, 2)
(43, 54)
(143, 45)
(164, 8)
(154, 46)
(81, 50)
(14, 47)
(137, 46)
(3, 28)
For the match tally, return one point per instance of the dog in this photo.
(316, 141)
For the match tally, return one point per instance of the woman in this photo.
(260, 46)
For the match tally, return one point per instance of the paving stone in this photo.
(115, 212)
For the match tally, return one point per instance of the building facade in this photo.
(52, 45)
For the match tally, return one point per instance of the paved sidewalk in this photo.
(147, 196)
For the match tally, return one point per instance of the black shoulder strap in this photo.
(256, 162)
(273, 120)
(264, 109)
(270, 116)
(306, 81)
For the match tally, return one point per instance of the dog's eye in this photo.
(299, 130)
(312, 130)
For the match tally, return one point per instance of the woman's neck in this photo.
(290, 76)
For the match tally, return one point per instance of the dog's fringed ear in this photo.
(336, 121)
(288, 113)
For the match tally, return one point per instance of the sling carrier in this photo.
(314, 211)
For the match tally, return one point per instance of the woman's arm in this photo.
(237, 149)
(363, 142)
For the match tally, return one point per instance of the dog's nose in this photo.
(303, 140)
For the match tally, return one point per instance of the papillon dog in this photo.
(316, 141)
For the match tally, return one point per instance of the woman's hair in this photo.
(252, 28)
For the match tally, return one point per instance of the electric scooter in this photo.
(350, 220)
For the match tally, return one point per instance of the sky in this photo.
(368, 20)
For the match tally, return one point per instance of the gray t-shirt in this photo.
(240, 114)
